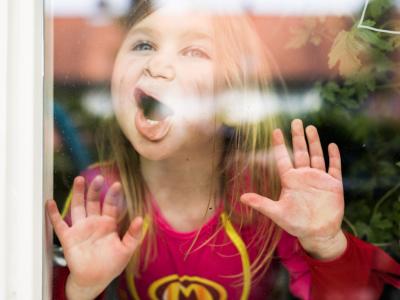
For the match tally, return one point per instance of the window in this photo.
(195, 98)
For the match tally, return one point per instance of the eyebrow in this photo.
(145, 30)
(188, 35)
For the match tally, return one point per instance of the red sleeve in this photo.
(60, 275)
(359, 273)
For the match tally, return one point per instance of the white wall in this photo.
(3, 130)
(21, 149)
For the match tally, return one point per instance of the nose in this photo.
(160, 66)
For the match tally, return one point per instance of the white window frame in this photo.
(25, 176)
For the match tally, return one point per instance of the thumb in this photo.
(133, 236)
(262, 204)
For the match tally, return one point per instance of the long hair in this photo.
(246, 164)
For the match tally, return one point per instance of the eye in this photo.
(196, 52)
(143, 46)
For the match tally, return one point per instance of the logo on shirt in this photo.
(173, 287)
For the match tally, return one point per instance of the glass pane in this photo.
(170, 111)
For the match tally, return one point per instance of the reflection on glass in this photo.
(176, 117)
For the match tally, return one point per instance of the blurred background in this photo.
(328, 71)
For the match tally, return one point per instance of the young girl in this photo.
(185, 206)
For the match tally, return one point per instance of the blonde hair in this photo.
(246, 164)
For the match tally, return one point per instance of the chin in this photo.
(156, 151)
(154, 155)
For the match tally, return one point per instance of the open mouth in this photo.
(153, 118)
(152, 108)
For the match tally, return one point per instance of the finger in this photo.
(78, 211)
(316, 153)
(262, 204)
(300, 150)
(93, 203)
(112, 200)
(282, 157)
(59, 225)
(133, 236)
(335, 166)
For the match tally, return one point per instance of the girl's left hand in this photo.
(311, 202)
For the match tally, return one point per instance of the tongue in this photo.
(151, 129)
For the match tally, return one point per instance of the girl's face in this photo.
(162, 85)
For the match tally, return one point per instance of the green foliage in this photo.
(349, 93)
(377, 8)
(372, 145)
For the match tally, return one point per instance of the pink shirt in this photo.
(206, 273)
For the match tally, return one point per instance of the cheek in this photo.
(115, 95)
(117, 82)
(198, 108)
(198, 79)
(125, 75)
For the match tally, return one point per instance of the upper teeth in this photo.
(152, 122)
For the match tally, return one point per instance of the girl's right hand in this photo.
(94, 252)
